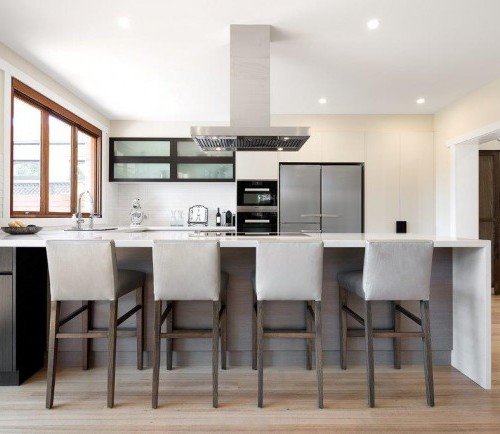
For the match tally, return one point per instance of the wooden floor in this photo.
(289, 400)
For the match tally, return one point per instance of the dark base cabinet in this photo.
(23, 313)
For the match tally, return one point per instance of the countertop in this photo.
(126, 237)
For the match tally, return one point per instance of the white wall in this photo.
(12, 65)
(398, 152)
(473, 111)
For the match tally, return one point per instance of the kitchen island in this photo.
(460, 303)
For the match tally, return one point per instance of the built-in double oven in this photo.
(257, 206)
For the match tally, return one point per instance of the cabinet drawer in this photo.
(6, 259)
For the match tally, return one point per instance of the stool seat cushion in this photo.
(352, 281)
(186, 270)
(392, 270)
(289, 270)
(128, 280)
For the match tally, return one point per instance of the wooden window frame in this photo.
(173, 159)
(50, 108)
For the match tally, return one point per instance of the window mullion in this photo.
(74, 168)
(44, 165)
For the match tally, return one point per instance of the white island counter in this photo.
(460, 296)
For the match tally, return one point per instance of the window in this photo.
(55, 156)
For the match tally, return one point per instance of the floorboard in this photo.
(289, 400)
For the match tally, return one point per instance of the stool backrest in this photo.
(397, 270)
(287, 270)
(186, 270)
(82, 270)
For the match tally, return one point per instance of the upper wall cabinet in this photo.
(167, 160)
(309, 153)
(257, 165)
(342, 146)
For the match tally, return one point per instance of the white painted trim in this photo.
(475, 137)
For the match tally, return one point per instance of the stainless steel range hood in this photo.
(250, 118)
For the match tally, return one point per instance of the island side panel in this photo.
(471, 353)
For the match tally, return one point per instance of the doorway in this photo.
(489, 209)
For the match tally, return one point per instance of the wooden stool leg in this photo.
(260, 352)
(156, 354)
(139, 320)
(170, 342)
(215, 353)
(309, 342)
(370, 374)
(254, 331)
(113, 313)
(86, 326)
(52, 352)
(223, 331)
(396, 342)
(319, 351)
(343, 327)
(426, 340)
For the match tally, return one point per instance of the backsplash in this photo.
(159, 199)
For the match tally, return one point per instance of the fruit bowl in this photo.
(28, 230)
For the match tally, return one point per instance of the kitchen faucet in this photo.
(79, 219)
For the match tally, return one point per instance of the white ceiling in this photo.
(173, 61)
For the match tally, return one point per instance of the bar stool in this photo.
(188, 271)
(392, 271)
(87, 270)
(288, 271)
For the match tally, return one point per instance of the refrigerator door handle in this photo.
(332, 216)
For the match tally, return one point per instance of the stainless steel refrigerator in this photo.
(321, 198)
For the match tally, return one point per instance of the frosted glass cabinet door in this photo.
(141, 148)
(188, 148)
(134, 171)
(204, 171)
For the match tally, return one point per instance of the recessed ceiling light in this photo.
(373, 24)
(218, 149)
(286, 138)
(322, 100)
(124, 22)
(421, 101)
(280, 149)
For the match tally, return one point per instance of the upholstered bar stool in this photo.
(188, 271)
(289, 271)
(393, 271)
(87, 270)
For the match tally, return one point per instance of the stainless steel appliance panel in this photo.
(300, 193)
(341, 198)
(300, 228)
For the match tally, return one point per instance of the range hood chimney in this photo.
(250, 121)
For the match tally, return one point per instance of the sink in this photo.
(99, 229)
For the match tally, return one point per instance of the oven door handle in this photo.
(255, 189)
(257, 221)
